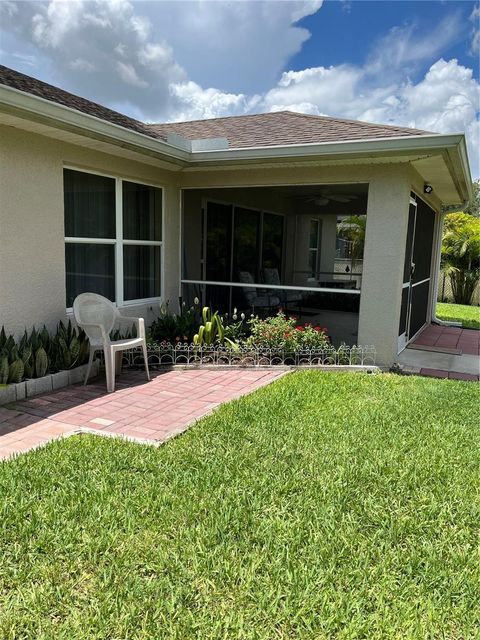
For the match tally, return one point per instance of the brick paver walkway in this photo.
(451, 339)
(152, 411)
(465, 340)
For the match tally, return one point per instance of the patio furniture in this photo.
(97, 316)
(271, 276)
(256, 298)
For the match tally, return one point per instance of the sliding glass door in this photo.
(239, 244)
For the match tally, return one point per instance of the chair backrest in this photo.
(250, 293)
(91, 308)
(271, 276)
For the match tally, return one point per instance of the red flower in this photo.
(317, 329)
(300, 328)
(325, 329)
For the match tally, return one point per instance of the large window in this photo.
(113, 237)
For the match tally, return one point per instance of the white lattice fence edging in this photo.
(245, 356)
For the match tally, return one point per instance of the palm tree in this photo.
(461, 255)
(353, 230)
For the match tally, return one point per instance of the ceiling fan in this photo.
(325, 197)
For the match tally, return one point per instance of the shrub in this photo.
(38, 353)
(282, 332)
(173, 327)
(461, 255)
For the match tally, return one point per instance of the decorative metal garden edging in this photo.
(181, 354)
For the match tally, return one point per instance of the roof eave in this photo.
(58, 116)
(28, 106)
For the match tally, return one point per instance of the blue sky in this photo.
(344, 31)
(408, 63)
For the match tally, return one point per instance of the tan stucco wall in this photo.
(380, 301)
(32, 263)
(32, 255)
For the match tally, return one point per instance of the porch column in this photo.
(386, 232)
(171, 246)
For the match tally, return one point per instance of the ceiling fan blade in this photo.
(338, 198)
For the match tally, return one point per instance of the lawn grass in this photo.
(468, 315)
(324, 506)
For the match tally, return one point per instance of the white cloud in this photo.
(403, 48)
(445, 100)
(475, 18)
(137, 53)
(191, 102)
(163, 61)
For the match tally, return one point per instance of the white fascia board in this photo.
(60, 116)
(63, 116)
(432, 142)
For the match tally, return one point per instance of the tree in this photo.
(473, 207)
(461, 254)
(353, 229)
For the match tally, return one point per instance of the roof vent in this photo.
(202, 144)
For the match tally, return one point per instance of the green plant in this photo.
(353, 229)
(3, 369)
(211, 330)
(39, 353)
(461, 255)
(175, 327)
(282, 332)
(236, 326)
(15, 371)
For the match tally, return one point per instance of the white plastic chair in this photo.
(97, 316)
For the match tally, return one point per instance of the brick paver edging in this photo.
(139, 411)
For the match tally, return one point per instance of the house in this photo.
(336, 220)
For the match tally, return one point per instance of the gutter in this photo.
(28, 106)
(34, 108)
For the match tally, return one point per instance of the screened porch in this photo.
(262, 249)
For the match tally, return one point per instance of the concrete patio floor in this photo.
(444, 352)
(146, 411)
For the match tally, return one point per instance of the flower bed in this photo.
(39, 362)
(212, 339)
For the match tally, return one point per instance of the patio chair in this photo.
(97, 316)
(287, 296)
(255, 298)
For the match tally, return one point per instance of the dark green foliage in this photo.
(39, 353)
(173, 327)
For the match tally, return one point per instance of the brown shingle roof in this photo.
(281, 128)
(27, 84)
(260, 130)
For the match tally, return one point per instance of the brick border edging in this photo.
(137, 440)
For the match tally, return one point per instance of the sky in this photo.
(398, 62)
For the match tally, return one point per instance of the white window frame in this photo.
(315, 249)
(119, 242)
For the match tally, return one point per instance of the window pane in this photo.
(89, 205)
(219, 238)
(142, 212)
(246, 247)
(90, 267)
(312, 262)
(272, 242)
(141, 272)
(313, 234)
